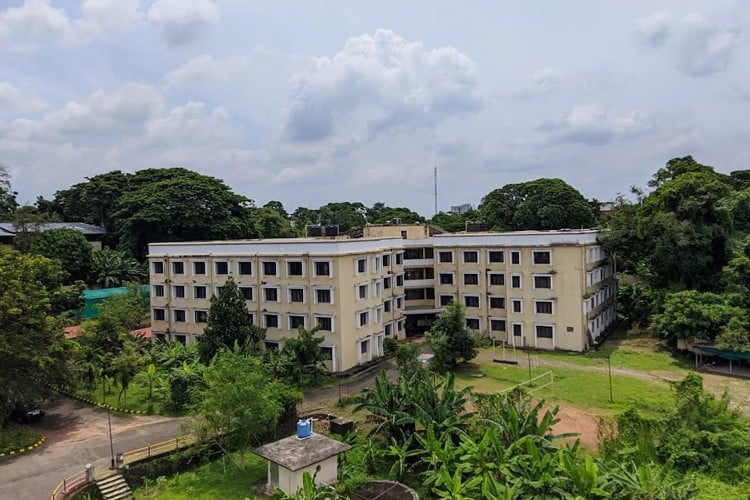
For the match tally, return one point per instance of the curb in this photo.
(24, 449)
(101, 405)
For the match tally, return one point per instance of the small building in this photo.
(93, 234)
(289, 458)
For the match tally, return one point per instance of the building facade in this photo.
(543, 289)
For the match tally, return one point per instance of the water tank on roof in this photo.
(332, 230)
(314, 231)
(304, 428)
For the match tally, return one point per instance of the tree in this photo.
(690, 314)
(228, 324)
(69, 247)
(180, 205)
(241, 404)
(303, 356)
(278, 207)
(112, 268)
(452, 222)
(540, 204)
(118, 316)
(382, 214)
(32, 346)
(271, 224)
(8, 203)
(451, 340)
(347, 215)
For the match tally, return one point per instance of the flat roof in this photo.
(294, 453)
(281, 246)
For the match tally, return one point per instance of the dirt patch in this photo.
(579, 421)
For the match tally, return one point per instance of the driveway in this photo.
(77, 434)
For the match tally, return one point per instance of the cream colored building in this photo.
(544, 289)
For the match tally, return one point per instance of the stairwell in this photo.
(114, 487)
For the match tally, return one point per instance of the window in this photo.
(387, 305)
(296, 295)
(179, 291)
(542, 281)
(180, 316)
(247, 292)
(429, 293)
(471, 301)
(378, 315)
(323, 296)
(388, 329)
(471, 257)
(158, 267)
(446, 278)
(429, 253)
(159, 315)
(496, 256)
(517, 330)
(361, 266)
(413, 253)
(322, 268)
(364, 318)
(199, 268)
(545, 331)
(296, 321)
(497, 279)
(387, 283)
(270, 294)
(515, 281)
(364, 346)
(222, 268)
(325, 323)
(446, 257)
(497, 302)
(271, 320)
(376, 263)
(446, 299)
(400, 280)
(271, 345)
(269, 268)
(178, 268)
(378, 288)
(497, 325)
(517, 305)
(181, 339)
(399, 303)
(543, 306)
(245, 268)
(158, 290)
(541, 256)
(200, 292)
(399, 258)
(472, 323)
(386, 260)
(294, 268)
(415, 294)
(201, 316)
(471, 278)
(250, 318)
(363, 291)
(515, 257)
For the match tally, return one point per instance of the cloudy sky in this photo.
(314, 101)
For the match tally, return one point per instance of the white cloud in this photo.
(102, 17)
(202, 69)
(15, 99)
(34, 22)
(591, 124)
(380, 81)
(192, 124)
(183, 21)
(655, 29)
(547, 79)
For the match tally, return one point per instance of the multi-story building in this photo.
(543, 289)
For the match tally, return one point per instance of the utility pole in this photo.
(111, 446)
(435, 175)
(609, 369)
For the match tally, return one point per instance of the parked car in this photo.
(25, 415)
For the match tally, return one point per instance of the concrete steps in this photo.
(114, 487)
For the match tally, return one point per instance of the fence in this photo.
(71, 484)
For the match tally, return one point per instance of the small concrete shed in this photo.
(289, 458)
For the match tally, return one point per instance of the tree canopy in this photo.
(8, 203)
(68, 246)
(540, 204)
(451, 340)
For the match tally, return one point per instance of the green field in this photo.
(14, 437)
(136, 398)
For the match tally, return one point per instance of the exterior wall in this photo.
(263, 269)
(291, 481)
(406, 231)
(563, 304)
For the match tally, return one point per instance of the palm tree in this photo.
(112, 268)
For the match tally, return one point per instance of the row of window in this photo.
(378, 262)
(600, 297)
(602, 321)
(374, 289)
(594, 254)
(599, 274)
(538, 257)
(269, 268)
(267, 320)
(498, 325)
(270, 293)
(541, 281)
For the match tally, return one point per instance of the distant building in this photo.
(542, 289)
(461, 209)
(93, 234)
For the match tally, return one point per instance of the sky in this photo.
(314, 101)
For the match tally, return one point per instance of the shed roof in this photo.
(8, 228)
(294, 453)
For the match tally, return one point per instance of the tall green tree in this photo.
(32, 346)
(229, 324)
(539, 204)
(451, 340)
(694, 315)
(452, 222)
(8, 203)
(349, 216)
(113, 268)
(68, 246)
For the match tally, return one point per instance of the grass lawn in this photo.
(210, 481)
(135, 399)
(13, 437)
(580, 388)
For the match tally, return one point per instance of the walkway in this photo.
(77, 434)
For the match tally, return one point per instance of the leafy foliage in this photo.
(691, 315)
(113, 268)
(69, 247)
(451, 340)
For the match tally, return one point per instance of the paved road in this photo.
(77, 434)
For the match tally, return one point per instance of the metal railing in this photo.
(71, 484)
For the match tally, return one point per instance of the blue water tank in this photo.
(304, 428)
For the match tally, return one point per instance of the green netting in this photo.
(714, 351)
(94, 298)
